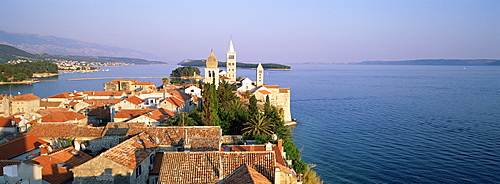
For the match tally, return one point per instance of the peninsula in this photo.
(267, 66)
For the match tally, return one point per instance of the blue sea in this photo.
(370, 123)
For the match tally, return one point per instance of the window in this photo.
(231, 57)
(138, 171)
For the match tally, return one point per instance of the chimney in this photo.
(269, 146)
(280, 145)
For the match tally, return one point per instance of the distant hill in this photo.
(461, 62)
(269, 66)
(8, 53)
(34, 43)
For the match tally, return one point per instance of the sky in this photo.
(279, 31)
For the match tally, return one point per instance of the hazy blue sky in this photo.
(271, 31)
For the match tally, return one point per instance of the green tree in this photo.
(165, 81)
(181, 119)
(185, 71)
(257, 125)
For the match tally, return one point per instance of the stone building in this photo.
(231, 62)
(26, 103)
(128, 85)
(212, 70)
(127, 162)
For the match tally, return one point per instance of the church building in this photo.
(231, 62)
(212, 70)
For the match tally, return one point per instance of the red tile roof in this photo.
(135, 100)
(132, 151)
(102, 101)
(160, 114)
(50, 104)
(20, 144)
(62, 117)
(207, 167)
(54, 130)
(144, 83)
(201, 138)
(131, 113)
(55, 174)
(29, 96)
(246, 175)
(175, 101)
(66, 95)
(6, 122)
(271, 86)
(265, 92)
(52, 110)
(105, 93)
(284, 90)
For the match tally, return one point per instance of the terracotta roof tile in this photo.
(135, 100)
(6, 122)
(29, 96)
(53, 110)
(20, 144)
(62, 117)
(66, 95)
(105, 93)
(284, 90)
(265, 92)
(201, 138)
(102, 101)
(246, 175)
(55, 174)
(175, 101)
(271, 86)
(209, 167)
(51, 130)
(131, 151)
(131, 113)
(50, 104)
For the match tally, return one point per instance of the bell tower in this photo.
(212, 70)
(259, 75)
(231, 61)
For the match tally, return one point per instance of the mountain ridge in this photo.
(53, 45)
(10, 53)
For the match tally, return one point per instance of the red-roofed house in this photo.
(132, 102)
(127, 162)
(19, 146)
(7, 126)
(154, 117)
(105, 94)
(178, 102)
(24, 104)
(245, 174)
(198, 167)
(66, 97)
(128, 85)
(279, 97)
(57, 165)
(125, 115)
(63, 117)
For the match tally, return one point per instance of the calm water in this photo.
(372, 124)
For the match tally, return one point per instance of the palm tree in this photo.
(258, 125)
(165, 81)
